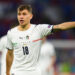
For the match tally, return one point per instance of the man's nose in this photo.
(21, 17)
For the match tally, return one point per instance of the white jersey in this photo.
(26, 45)
(3, 42)
(47, 51)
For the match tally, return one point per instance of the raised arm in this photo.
(9, 60)
(64, 26)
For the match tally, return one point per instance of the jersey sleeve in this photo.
(45, 29)
(9, 41)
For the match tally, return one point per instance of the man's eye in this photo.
(24, 13)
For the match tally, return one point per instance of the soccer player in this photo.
(47, 58)
(3, 42)
(3, 49)
(25, 40)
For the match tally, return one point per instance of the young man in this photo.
(3, 49)
(24, 42)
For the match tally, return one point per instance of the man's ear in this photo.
(31, 16)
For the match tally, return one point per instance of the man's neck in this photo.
(24, 27)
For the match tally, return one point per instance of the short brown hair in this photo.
(28, 7)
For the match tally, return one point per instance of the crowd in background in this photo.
(65, 61)
(45, 11)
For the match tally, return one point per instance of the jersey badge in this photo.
(27, 37)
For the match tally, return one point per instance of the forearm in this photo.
(64, 26)
(9, 60)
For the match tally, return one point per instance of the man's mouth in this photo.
(21, 21)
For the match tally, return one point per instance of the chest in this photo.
(19, 39)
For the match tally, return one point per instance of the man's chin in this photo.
(22, 24)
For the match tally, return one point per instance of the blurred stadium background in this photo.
(49, 12)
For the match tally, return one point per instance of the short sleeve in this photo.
(9, 41)
(45, 29)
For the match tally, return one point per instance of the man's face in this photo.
(24, 17)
